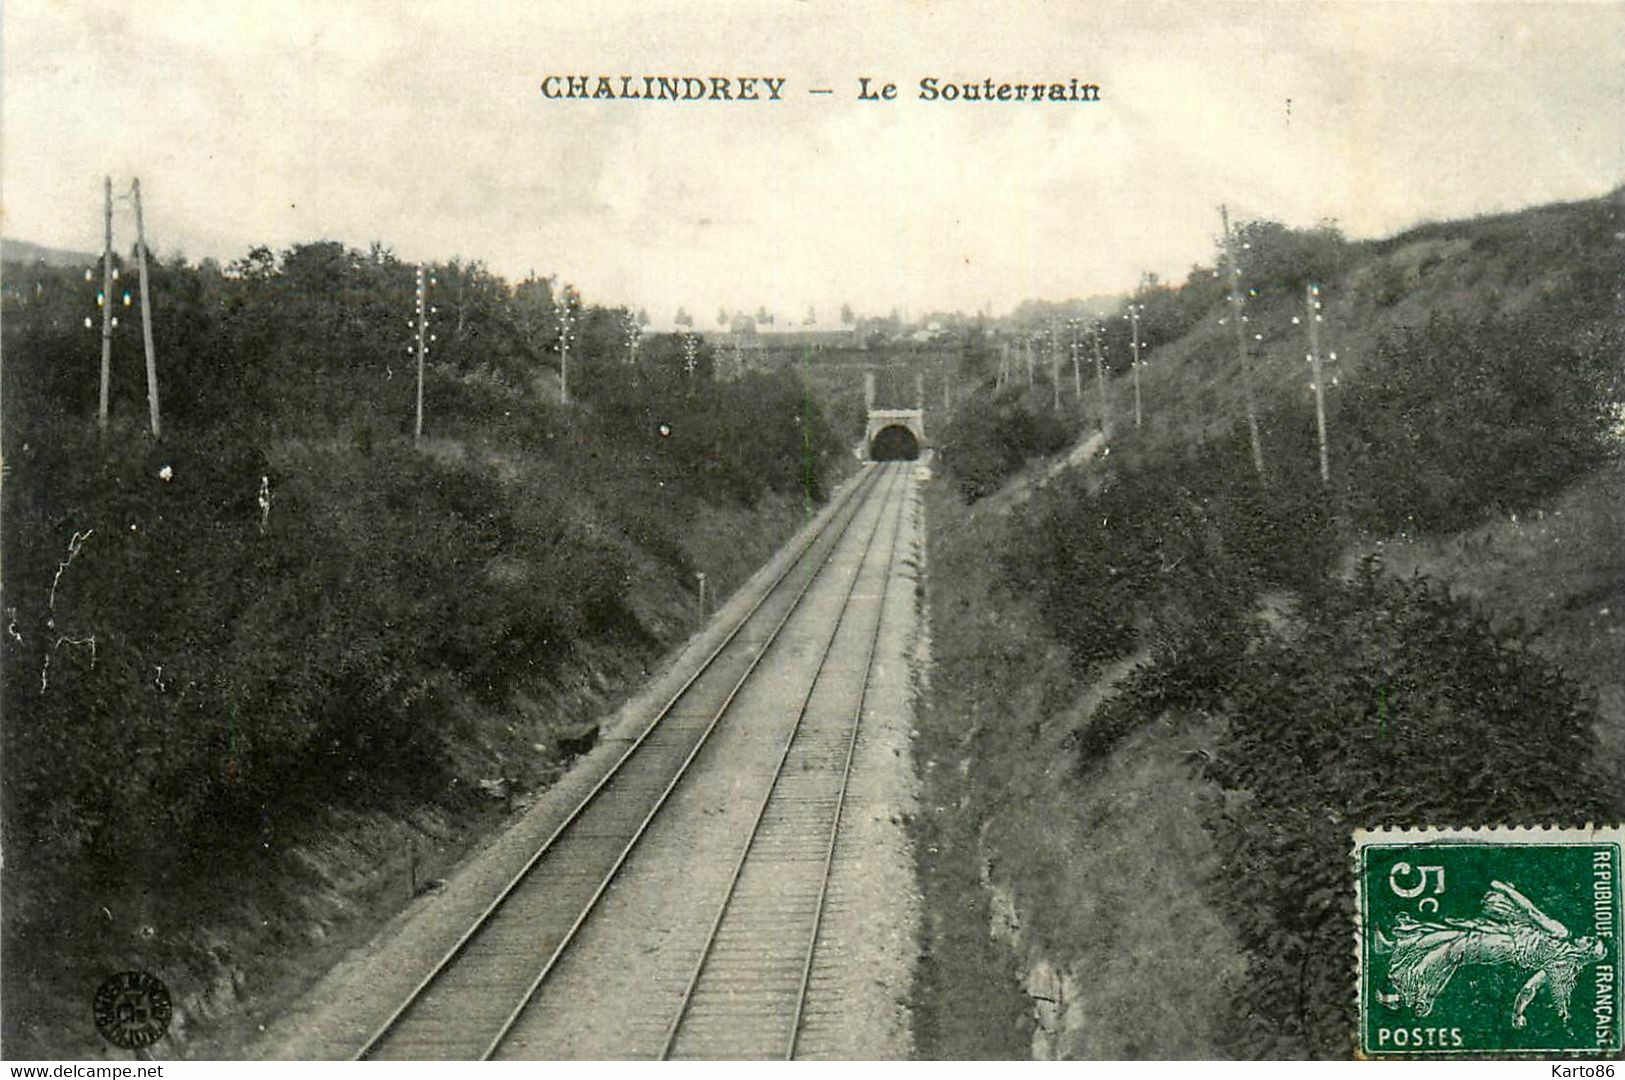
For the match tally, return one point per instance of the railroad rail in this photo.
(466, 1006)
(748, 990)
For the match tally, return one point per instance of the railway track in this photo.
(748, 991)
(499, 973)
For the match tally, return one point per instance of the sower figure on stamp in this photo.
(1511, 931)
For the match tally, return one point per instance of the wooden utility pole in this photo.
(107, 302)
(1027, 351)
(1100, 380)
(1234, 273)
(146, 312)
(1055, 361)
(564, 349)
(1134, 324)
(1077, 372)
(691, 359)
(422, 345)
(1311, 303)
(462, 272)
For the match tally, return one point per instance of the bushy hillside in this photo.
(1478, 372)
(287, 607)
(1457, 356)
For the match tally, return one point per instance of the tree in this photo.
(1284, 260)
(258, 265)
(535, 314)
(683, 318)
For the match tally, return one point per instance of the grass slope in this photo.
(1065, 912)
(1163, 688)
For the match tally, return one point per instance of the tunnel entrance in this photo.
(894, 443)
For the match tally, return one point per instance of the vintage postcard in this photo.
(810, 530)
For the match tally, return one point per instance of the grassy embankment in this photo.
(1560, 571)
(1165, 693)
(1039, 882)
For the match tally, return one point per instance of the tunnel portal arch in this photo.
(894, 442)
(910, 421)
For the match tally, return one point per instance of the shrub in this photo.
(1455, 421)
(1396, 705)
(1170, 541)
(178, 658)
(1384, 703)
(983, 447)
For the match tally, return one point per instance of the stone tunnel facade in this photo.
(895, 434)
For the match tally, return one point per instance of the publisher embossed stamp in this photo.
(132, 1010)
(1488, 941)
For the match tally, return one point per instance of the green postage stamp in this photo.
(1488, 941)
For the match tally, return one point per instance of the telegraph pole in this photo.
(1241, 342)
(1100, 380)
(422, 344)
(462, 274)
(1311, 302)
(1077, 373)
(1134, 324)
(691, 358)
(1055, 360)
(107, 302)
(564, 348)
(146, 312)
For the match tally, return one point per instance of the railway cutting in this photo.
(697, 898)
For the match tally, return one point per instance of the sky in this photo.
(421, 124)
